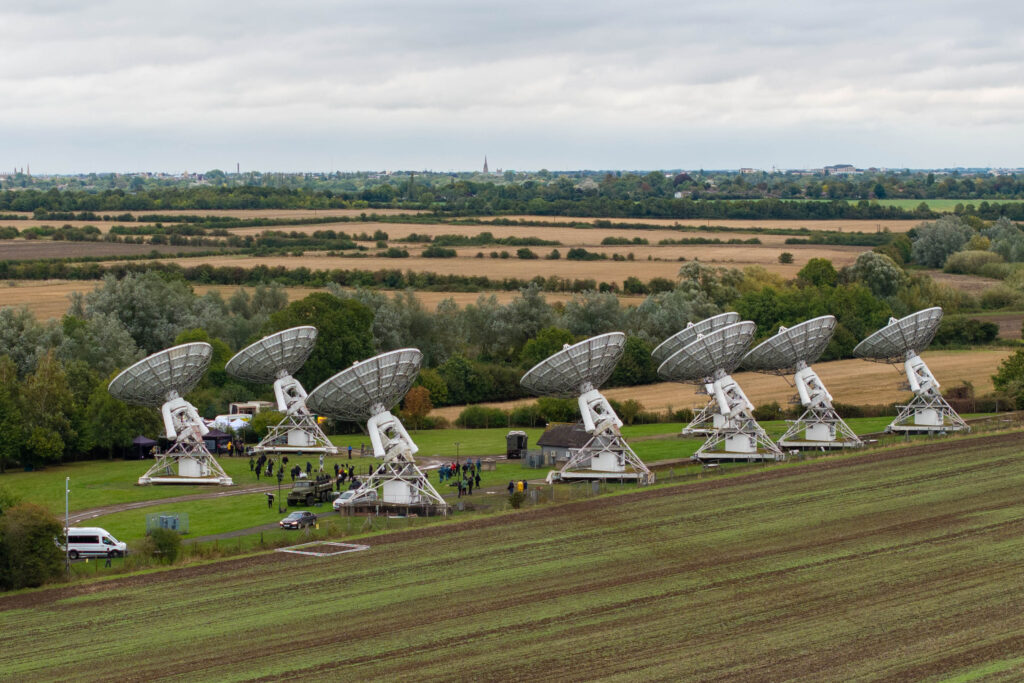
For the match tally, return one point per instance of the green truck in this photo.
(309, 491)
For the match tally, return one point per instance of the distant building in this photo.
(748, 171)
(841, 169)
(485, 164)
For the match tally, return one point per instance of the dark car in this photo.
(298, 519)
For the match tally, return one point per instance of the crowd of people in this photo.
(462, 476)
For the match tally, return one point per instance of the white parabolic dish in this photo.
(176, 369)
(382, 380)
(683, 337)
(590, 361)
(911, 333)
(780, 353)
(281, 352)
(700, 359)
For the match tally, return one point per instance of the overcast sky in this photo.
(317, 85)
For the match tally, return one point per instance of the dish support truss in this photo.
(928, 411)
(819, 424)
(708, 419)
(399, 480)
(297, 431)
(606, 455)
(195, 464)
(740, 437)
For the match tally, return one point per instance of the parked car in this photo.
(298, 519)
(346, 498)
(92, 541)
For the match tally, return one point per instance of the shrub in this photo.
(1001, 297)
(482, 417)
(971, 262)
(516, 498)
(28, 554)
(434, 251)
(165, 544)
(768, 411)
(785, 257)
(526, 253)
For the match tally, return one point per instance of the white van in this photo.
(92, 541)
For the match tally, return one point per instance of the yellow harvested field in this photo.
(51, 298)
(733, 256)
(811, 224)
(277, 213)
(852, 381)
(574, 237)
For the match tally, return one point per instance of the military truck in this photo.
(309, 491)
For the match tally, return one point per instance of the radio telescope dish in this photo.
(366, 392)
(276, 358)
(790, 351)
(803, 343)
(579, 370)
(162, 379)
(264, 361)
(175, 370)
(588, 363)
(354, 393)
(892, 343)
(704, 356)
(708, 360)
(686, 335)
(902, 341)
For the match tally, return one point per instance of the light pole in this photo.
(67, 556)
(457, 452)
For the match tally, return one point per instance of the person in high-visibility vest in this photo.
(519, 486)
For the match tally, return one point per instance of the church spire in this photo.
(485, 163)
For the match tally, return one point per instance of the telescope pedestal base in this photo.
(398, 482)
(605, 456)
(740, 439)
(195, 465)
(927, 414)
(291, 433)
(820, 429)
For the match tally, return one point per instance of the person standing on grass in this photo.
(511, 487)
(257, 474)
(478, 478)
(469, 485)
(252, 463)
(350, 452)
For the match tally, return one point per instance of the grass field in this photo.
(894, 565)
(853, 381)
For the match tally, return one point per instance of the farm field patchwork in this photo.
(732, 256)
(897, 565)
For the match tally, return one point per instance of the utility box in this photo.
(515, 445)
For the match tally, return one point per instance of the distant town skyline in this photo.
(317, 86)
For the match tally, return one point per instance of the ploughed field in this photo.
(896, 565)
